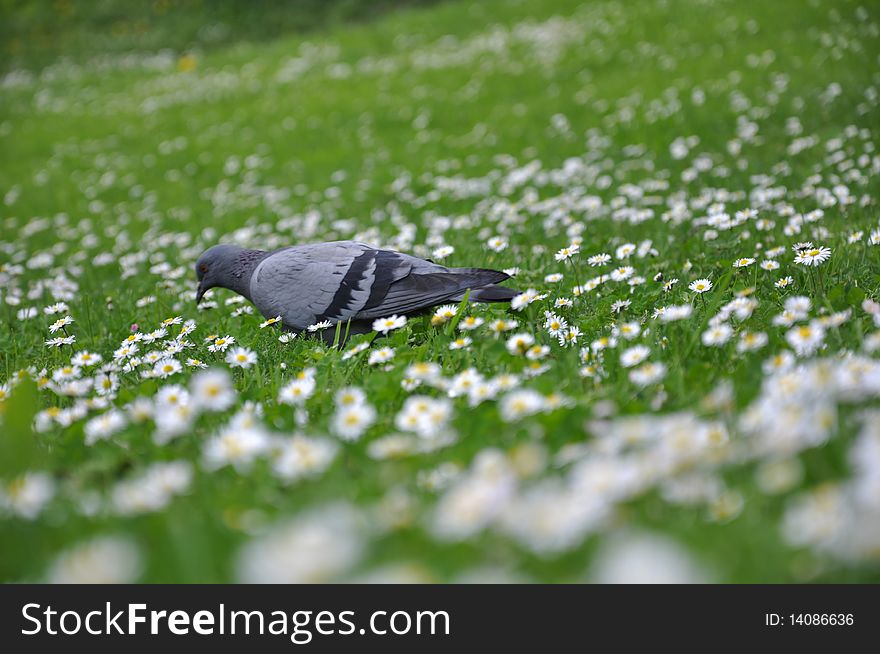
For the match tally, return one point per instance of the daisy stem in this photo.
(577, 272)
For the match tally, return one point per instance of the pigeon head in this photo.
(217, 267)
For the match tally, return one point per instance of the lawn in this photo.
(685, 192)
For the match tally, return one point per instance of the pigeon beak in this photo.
(200, 294)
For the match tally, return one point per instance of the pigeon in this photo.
(342, 282)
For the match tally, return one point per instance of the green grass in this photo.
(354, 131)
(36, 33)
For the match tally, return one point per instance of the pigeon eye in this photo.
(203, 267)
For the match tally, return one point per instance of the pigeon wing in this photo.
(326, 281)
(426, 286)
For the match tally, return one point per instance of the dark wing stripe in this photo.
(351, 282)
(389, 268)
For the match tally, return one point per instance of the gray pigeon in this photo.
(341, 281)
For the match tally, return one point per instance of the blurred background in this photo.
(35, 33)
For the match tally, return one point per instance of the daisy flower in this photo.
(155, 335)
(520, 343)
(444, 314)
(497, 243)
(779, 362)
(599, 259)
(60, 324)
(700, 285)
(570, 337)
(297, 391)
(137, 336)
(351, 421)
(499, 326)
(784, 282)
(806, 339)
(470, 323)
(674, 313)
(798, 304)
(648, 374)
(106, 383)
(520, 403)
(567, 253)
(66, 372)
(85, 358)
(423, 371)
(554, 324)
(603, 343)
(270, 321)
(188, 328)
(622, 273)
(633, 356)
(318, 326)
(349, 396)
(442, 252)
(104, 426)
(221, 343)
(813, 256)
(625, 251)
(239, 447)
(537, 352)
(636, 281)
(717, 334)
(382, 355)
(211, 390)
(52, 309)
(385, 325)
(165, 368)
(751, 341)
(743, 262)
(526, 298)
(353, 351)
(629, 330)
(241, 357)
